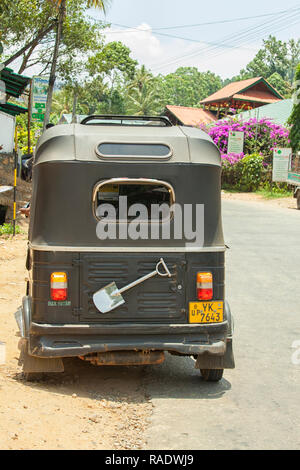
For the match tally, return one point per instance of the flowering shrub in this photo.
(248, 170)
(243, 172)
(261, 136)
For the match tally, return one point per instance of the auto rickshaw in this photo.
(119, 285)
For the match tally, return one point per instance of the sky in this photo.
(148, 28)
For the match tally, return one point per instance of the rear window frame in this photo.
(133, 181)
(134, 157)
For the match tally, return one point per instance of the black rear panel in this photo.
(159, 300)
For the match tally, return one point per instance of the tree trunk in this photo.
(74, 120)
(61, 17)
(36, 40)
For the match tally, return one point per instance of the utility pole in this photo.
(29, 117)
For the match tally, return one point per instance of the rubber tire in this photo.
(298, 200)
(212, 375)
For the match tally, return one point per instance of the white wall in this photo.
(7, 130)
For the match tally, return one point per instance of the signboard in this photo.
(7, 133)
(294, 170)
(235, 142)
(281, 160)
(39, 98)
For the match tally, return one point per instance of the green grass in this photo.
(274, 193)
(232, 190)
(267, 193)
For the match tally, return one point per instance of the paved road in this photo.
(257, 405)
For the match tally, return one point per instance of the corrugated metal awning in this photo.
(15, 84)
(13, 109)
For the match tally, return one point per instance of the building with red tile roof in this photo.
(245, 94)
(182, 115)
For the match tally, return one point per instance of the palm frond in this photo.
(102, 4)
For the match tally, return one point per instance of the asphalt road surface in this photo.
(257, 405)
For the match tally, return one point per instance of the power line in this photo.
(220, 21)
(240, 37)
(213, 56)
(213, 45)
(279, 28)
(209, 23)
(164, 34)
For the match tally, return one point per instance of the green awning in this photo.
(13, 109)
(15, 84)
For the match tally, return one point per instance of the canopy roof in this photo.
(245, 93)
(13, 109)
(189, 116)
(15, 83)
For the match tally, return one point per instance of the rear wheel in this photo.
(298, 200)
(212, 375)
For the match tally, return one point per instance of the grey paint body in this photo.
(62, 237)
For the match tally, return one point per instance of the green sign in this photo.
(38, 117)
(39, 90)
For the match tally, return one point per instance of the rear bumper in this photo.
(67, 345)
(64, 340)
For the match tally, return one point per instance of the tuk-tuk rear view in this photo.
(126, 249)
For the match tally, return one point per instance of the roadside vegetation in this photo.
(8, 229)
(251, 170)
(89, 75)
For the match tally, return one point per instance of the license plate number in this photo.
(206, 312)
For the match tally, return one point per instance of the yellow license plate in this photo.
(206, 312)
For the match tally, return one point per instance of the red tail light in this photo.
(204, 286)
(59, 286)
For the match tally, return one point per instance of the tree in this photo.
(143, 102)
(23, 25)
(113, 66)
(294, 119)
(143, 98)
(102, 4)
(61, 6)
(61, 103)
(275, 57)
(282, 86)
(141, 79)
(187, 86)
(29, 30)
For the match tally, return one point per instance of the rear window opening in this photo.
(133, 150)
(147, 192)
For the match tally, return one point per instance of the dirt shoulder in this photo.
(284, 202)
(86, 407)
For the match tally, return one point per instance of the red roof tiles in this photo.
(254, 89)
(191, 116)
